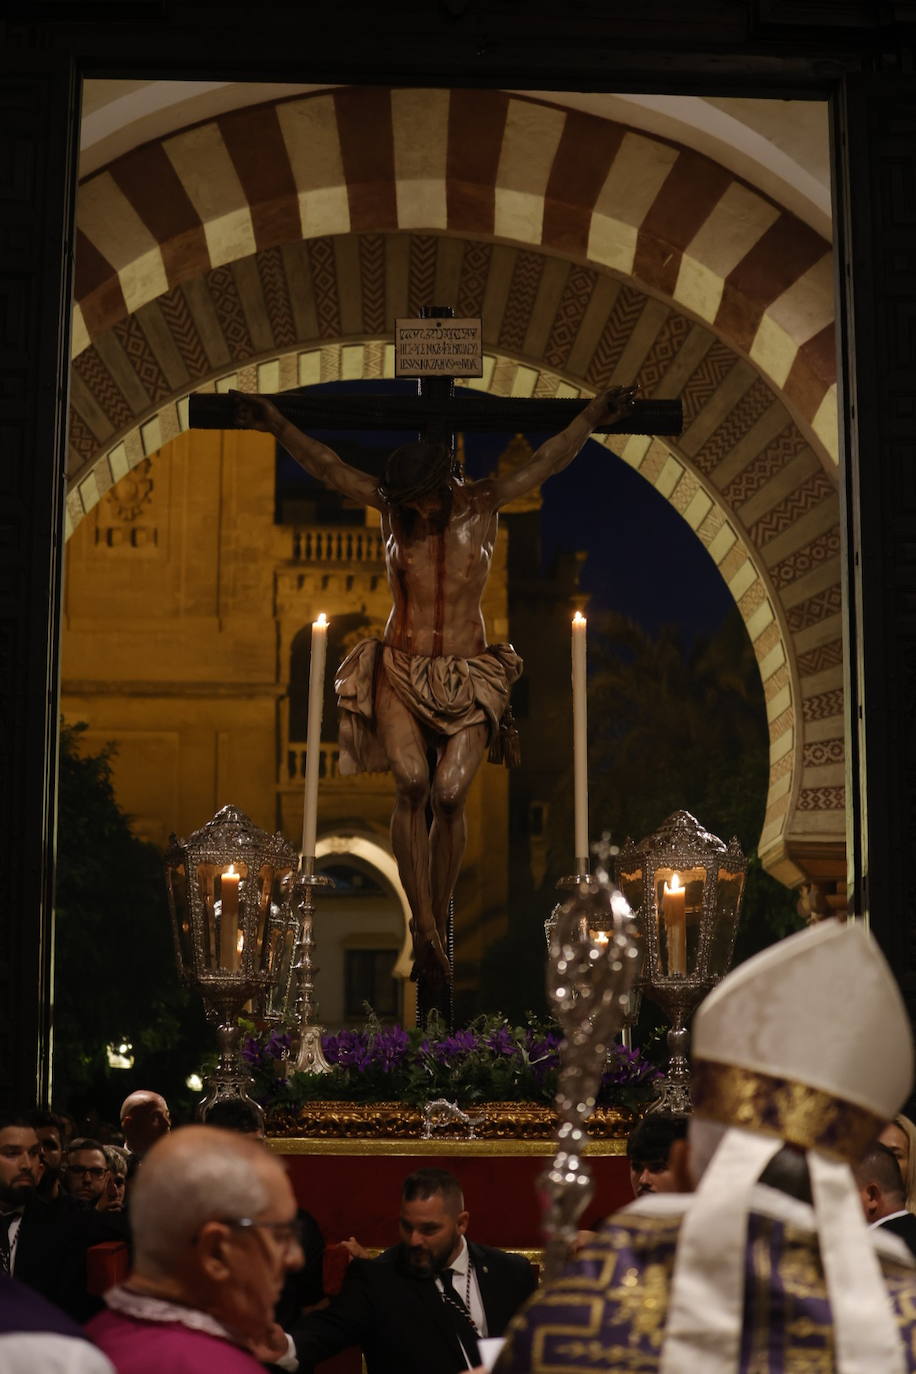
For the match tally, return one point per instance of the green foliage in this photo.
(674, 728)
(671, 727)
(686, 728)
(115, 974)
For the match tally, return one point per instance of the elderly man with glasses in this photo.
(215, 1231)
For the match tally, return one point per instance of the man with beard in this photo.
(420, 1307)
(44, 1242)
(50, 1131)
(20, 1162)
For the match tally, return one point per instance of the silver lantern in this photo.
(229, 887)
(686, 887)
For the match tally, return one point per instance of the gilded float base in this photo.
(397, 1121)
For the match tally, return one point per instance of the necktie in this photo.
(6, 1221)
(460, 1317)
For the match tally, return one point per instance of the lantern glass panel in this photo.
(273, 896)
(262, 913)
(679, 903)
(205, 875)
(177, 878)
(281, 944)
(722, 937)
(630, 882)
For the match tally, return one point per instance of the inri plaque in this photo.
(438, 348)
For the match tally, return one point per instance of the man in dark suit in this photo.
(882, 1191)
(420, 1307)
(43, 1243)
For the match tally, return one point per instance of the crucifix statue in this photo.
(431, 697)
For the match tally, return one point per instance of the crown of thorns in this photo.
(416, 470)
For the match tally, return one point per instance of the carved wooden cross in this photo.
(436, 412)
(431, 415)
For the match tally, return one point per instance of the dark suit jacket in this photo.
(401, 1322)
(904, 1227)
(303, 1287)
(51, 1250)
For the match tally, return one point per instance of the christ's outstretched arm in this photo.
(557, 453)
(319, 461)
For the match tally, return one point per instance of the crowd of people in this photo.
(774, 1229)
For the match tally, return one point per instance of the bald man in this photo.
(144, 1120)
(215, 1233)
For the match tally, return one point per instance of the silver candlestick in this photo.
(569, 883)
(306, 1052)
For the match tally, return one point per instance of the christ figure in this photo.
(426, 701)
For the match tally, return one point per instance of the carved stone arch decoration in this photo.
(224, 289)
(489, 166)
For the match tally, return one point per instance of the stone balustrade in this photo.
(328, 767)
(338, 545)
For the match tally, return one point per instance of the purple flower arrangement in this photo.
(487, 1061)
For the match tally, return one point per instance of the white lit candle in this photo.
(675, 918)
(229, 934)
(313, 739)
(580, 733)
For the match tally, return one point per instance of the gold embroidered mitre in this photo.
(809, 1041)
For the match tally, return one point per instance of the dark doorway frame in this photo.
(860, 62)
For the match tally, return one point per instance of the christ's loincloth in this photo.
(446, 694)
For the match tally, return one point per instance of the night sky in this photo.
(643, 561)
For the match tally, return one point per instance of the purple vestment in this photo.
(608, 1310)
(135, 1346)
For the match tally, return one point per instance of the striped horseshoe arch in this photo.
(274, 246)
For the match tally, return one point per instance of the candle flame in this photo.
(676, 884)
(230, 872)
(322, 620)
(240, 942)
(579, 618)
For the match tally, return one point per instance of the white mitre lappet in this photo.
(808, 1044)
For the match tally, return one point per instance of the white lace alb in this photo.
(146, 1308)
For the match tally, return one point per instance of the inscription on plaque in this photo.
(438, 348)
